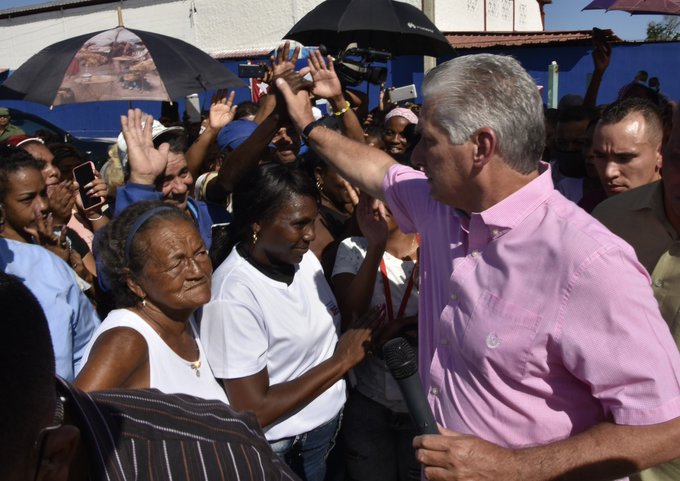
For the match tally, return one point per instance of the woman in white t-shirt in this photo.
(271, 327)
(158, 269)
(379, 268)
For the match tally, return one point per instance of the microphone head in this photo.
(400, 358)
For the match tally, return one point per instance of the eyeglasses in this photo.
(44, 432)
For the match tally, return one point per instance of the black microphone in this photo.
(401, 359)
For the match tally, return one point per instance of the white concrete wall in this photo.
(468, 15)
(223, 26)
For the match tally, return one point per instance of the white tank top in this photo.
(168, 372)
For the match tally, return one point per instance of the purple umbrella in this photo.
(638, 7)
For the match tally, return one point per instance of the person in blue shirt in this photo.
(159, 170)
(71, 317)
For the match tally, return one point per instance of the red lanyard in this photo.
(388, 296)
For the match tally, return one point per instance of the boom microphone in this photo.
(401, 359)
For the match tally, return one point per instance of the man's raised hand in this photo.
(146, 162)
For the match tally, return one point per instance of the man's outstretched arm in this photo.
(363, 166)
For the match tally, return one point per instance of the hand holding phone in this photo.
(84, 175)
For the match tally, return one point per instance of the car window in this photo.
(32, 126)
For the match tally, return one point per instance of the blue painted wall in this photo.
(575, 65)
(659, 59)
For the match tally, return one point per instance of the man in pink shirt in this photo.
(542, 349)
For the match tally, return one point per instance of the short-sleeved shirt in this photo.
(638, 216)
(254, 321)
(536, 322)
(70, 315)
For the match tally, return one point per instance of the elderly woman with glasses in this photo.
(158, 268)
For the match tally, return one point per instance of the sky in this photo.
(567, 15)
(560, 15)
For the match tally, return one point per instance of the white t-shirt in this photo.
(373, 377)
(253, 322)
(168, 372)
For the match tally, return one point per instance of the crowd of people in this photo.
(212, 304)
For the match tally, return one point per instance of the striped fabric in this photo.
(147, 435)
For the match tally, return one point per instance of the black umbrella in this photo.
(117, 64)
(396, 27)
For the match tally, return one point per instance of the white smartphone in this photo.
(400, 94)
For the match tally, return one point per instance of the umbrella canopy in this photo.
(638, 7)
(117, 64)
(396, 27)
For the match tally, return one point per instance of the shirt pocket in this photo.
(499, 336)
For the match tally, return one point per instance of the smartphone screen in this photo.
(246, 70)
(84, 174)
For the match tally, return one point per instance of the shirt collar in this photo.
(649, 196)
(281, 273)
(512, 210)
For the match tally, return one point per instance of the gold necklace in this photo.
(195, 365)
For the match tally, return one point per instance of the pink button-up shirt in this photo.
(536, 322)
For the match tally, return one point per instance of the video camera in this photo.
(353, 65)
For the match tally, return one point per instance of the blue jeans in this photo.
(378, 442)
(306, 453)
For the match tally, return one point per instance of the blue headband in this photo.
(138, 224)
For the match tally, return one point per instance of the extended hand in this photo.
(326, 82)
(371, 220)
(452, 456)
(146, 162)
(281, 63)
(297, 102)
(222, 110)
(601, 56)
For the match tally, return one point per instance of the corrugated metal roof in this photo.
(51, 7)
(462, 40)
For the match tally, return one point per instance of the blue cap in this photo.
(235, 133)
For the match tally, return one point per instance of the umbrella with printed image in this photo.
(117, 64)
(387, 25)
(637, 7)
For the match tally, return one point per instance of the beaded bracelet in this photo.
(340, 112)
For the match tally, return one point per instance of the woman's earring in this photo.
(144, 302)
(254, 237)
(319, 185)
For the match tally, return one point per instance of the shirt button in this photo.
(495, 232)
(492, 340)
(434, 391)
(445, 342)
(454, 297)
(658, 283)
(475, 253)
